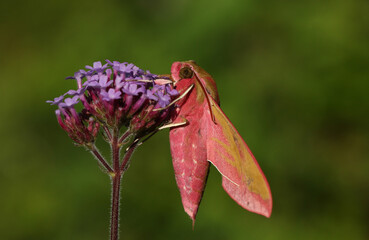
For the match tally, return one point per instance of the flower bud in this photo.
(81, 128)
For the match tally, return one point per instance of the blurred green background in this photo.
(293, 77)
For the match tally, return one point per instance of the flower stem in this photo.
(115, 150)
(114, 224)
(124, 136)
(101, 159)
(116, 178)
(127, 156)
(107, 132)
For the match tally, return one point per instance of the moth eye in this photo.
(186, 72)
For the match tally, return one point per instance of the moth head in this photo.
(185, 72)
(192, 74)
(182, 70)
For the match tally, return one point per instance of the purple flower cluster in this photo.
(114, 95)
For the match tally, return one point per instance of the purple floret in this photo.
(69, 102)
(56, 100)
(150, 95)
(113, 64)
(103, 82)
(78, 76)
(91, 83)
(97, 66)
(171, 91)
(110, 95)
(133, 89)
(137, 71)
(164, 99)
(119, 81)
(123, 68)
(108, 72)
(79, 92)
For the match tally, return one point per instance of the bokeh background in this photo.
(293, 77)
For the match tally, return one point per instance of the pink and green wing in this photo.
(243, 179)
(188, 149)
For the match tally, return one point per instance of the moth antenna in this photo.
(138, 80)
(163, 81)
(160, 81)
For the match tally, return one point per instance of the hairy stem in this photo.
(116, 178)
(107, 132)
(115, 149)
(127, 156)
(124, 136)
(114, 224)
(101, 159)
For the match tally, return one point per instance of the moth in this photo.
(200, 135)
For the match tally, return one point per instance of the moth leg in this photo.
(185, 122)
(177, 99)
(133, 144)
(137, 141)
(147, 138)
